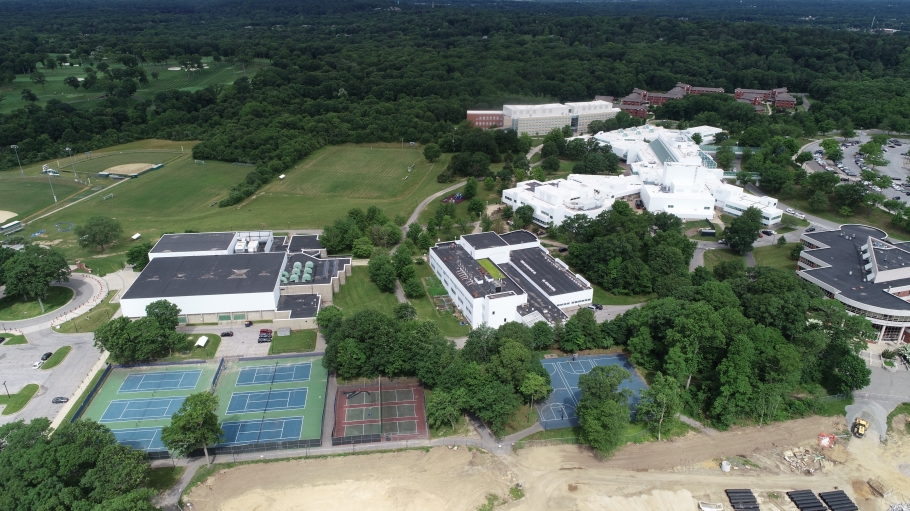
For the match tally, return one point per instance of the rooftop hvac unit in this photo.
(298, 265)
(307, 278)
(295, 277)
(309, 264)
(296, 271)
(284, 279)
(284, 274)
(307, 271)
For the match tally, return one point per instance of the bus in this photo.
(11, 227)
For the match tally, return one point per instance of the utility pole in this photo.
(52, 187)
(16, 149)
(72, 162)
(7, 390)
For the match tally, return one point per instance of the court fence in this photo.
(91, 393)
(356, 439)
(157, 364)
(217, 373)
(386, 384)
(521, 444)
(230, 450)
(286, 355)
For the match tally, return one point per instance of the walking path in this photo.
(86, 292)
(423, 203)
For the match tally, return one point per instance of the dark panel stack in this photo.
(805, 500)
(742, 500)
(838, 501)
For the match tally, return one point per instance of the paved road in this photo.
(62, 380)
(423, 203)
(82, 293)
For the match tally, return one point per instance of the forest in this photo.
(316, 74)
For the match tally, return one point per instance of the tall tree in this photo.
(138, 255)
(194, 425)
(30, 272)
(660, 403)
(744, 230)
(98, 231)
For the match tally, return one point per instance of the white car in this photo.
(790, 210)
(37, 364)
(800, 216)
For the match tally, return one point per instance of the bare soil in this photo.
(662, 476)
(129, 168)
(6, 215)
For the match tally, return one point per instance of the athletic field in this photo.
(137, 402)
(272, 400)
(560, 410)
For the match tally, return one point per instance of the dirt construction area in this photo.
(129, 168)
(664, 476)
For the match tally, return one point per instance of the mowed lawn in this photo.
(359, 293)
(26, 196)
(334, 179)
(776, 257)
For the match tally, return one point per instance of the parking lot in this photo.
(898, 167)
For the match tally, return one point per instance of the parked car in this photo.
(2, 340)
(46, 356)
(790, 210)
(227, 334)
(593, 308)
(563, 250)
(800, 216)
(59, 400)
(810, 229)
(767, 232)
(598, 306)
(265, 331)
(265, 338)
(722, 241)
(37, 364)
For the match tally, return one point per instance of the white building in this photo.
(232, 276)
(494, 279)
(669, 173)
(541, 119)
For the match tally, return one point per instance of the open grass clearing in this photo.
(26, 196)
(94, 318)
(193, 352)
(775, 256)
(15, 402)
(902, 409)
(861, 215)
(449, 324)
(360, 293)
(604, 297)
(715, 256)
(300, 341)
(17, 307)
(56, 358)
(523, 418)
(14, 340)
(461, 210)
(102, 265)
(162, 479)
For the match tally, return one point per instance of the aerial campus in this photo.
(382, 255)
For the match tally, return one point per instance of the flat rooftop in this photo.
(208, 275)
(847, 273)
(470, 274)
(323, 269)
(537, 301)
(548, 274)
(194, 242)
(518, 237)
(304, 242)
(484, 240)
(301, 306)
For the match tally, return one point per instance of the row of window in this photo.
(876, 315)
(806, 262)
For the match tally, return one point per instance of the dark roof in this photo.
(207, 275)
(194, 242)
(604, 98)
(469, 273)
(549, 276)
(537, 301)
(304, 242)
(484, 240)
(301, 306)
(783, 96)
(847, 273)
(518, 237)
(707, 89)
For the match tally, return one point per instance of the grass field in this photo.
(168, 80)
(461, 210)
(300, 341)
(448, 324)
(57, 357)
(14, 340)
(163, 478)
(359, 293)
(194, 352)
(17, 401)
(715, 256)
(604, 297)
(26, 196)
(776, 257)
(13, 308)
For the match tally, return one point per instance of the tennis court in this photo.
(395, 413)
(272, 399)
(144, 439)
(166, 380)
(269, 400)
(263, 430)
(123, 410)
(560, 410)
(266, 374)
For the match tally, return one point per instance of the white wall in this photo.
(206, 304)
(685, 206)
(500, 309)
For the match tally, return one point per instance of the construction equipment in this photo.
(859, 427)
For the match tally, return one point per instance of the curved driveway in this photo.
(83, 291)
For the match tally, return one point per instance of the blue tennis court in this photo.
(258, 375)
(560, 410)
(122, 410)
(143, 439)
(167, 380)
(265, 430)
(267, 400)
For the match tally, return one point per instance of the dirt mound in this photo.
(6, 215)
(129, 168)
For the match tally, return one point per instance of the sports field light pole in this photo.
(72, 162)
(7, 390)
(52, 187)
(16, 148)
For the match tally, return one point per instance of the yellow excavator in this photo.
(859, 427)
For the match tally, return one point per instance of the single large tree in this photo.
(603, 410)
(660, 403)
(98, 231)
(194, 425)
(744, 230)
(138, 255)
(30, 272)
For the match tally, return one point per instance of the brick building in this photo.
(485, 119)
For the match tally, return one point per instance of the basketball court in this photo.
(395, 413)
(560, 410)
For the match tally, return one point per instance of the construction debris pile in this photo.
(900, 507)
(804, 461)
